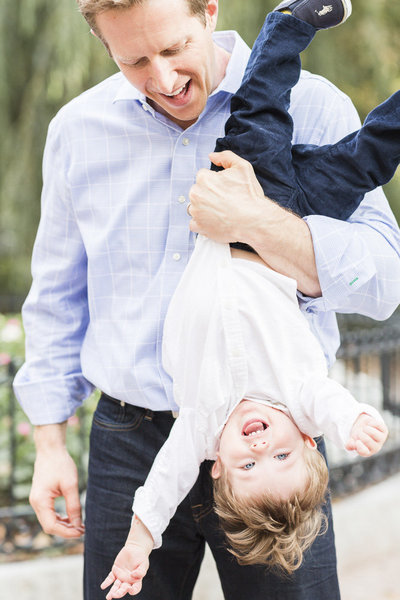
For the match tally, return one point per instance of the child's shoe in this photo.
(322, 14)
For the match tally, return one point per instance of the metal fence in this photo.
(368, 365)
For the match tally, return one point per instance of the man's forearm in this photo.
(283, 240)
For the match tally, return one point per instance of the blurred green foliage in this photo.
(47, 56)
(17, 451)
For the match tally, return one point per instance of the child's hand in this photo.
(367, 435)
(128, 570)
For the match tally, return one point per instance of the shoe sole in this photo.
(347, 9)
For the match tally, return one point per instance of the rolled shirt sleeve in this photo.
(325, 407)
(358, 261)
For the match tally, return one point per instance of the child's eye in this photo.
(282, 456)
(249, 465)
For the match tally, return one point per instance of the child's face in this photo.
(262, 451)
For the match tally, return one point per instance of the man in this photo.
(112, 244)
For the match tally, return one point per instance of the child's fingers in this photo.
(351, 444)
(114, 590)
(122, 590)
(108, 580)
(129, 577)
(139, 572)
(362, 449)
(135, 588)
(372, 438)
(380, 426)
(376, 433)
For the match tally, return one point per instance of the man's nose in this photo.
(162, 76)
(259, 446)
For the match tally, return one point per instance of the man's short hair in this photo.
(271, 531)
(91, 8)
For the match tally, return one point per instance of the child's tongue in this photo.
(255, 426)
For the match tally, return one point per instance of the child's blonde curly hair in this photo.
(271, 531)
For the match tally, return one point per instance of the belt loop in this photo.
(148, 415)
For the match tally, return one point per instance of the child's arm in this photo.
(326, 407)
(367, 435)
(131, 563)
(173, 474)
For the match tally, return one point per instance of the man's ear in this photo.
(216, 468)
(212, 14)
(309, 441)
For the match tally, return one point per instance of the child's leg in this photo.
(334, 178)
(260, 127)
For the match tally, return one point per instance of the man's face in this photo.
(166, 53)
(262, 451)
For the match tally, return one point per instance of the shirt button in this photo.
(181, 199)
(176, 256)
(186, 141)
(145, 107)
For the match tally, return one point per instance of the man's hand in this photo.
(226, 205)
(55, 475)
(230, 206)
(367, 435)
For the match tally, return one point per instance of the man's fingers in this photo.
(227, 159)
(52, 523)
(73, 505)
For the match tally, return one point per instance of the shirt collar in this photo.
(230, 41)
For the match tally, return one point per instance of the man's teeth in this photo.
(177, 91)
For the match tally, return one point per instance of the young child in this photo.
(249, 376)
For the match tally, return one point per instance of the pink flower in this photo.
(5, 358)
(13, 322)
(24, 429)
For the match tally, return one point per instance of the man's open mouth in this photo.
(254, 427)
(180, 93)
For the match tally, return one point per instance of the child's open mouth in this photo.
(254, 427)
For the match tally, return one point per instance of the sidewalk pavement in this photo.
(367, 527)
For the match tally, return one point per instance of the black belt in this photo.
(147, 412)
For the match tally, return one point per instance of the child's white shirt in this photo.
(234, 330)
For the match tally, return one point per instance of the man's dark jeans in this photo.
(124, 442)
